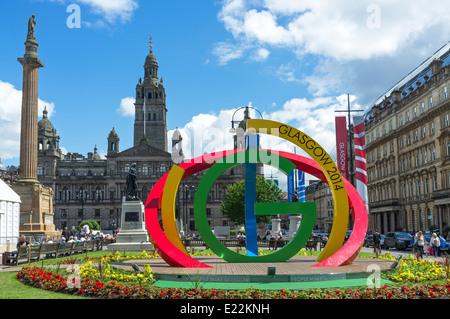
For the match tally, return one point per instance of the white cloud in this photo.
(113, 10)
(126, 107)
(261, 54)
(333, 29)
(226, 52)
(10, 118)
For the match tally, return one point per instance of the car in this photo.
(368, 242)
(445, 245)
(398, 240)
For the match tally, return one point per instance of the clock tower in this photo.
(150, 107)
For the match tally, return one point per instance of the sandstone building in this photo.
(408, 151)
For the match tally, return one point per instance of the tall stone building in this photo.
(92, 187)
(408, 151)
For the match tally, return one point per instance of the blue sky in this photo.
(295, 61)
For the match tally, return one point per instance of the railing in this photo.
(312, 244)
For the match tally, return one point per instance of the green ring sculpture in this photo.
(307, 209)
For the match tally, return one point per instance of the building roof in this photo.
(417, 74)
(7, 194)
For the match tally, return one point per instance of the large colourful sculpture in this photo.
(161, 200)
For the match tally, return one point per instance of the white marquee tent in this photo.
(9, 217)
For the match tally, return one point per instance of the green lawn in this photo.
(11, 288)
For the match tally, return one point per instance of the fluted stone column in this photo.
(36, 209)
(29, 121)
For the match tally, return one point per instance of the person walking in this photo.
(419, 242)
(435, 245)
(376, 242)
(65, 233)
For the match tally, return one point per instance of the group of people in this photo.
(82, 235)
(421, 246)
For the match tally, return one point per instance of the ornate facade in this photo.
(91, 187)
(408, 151)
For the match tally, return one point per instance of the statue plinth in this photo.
(133, 235)
(36, 209)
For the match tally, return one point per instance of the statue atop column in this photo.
(131, 190)
(31, 27)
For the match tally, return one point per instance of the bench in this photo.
(78, 247)
(49, 250)
(32, 252)
(65, 249)
(88, 246)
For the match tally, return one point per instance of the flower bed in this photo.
(39, 278)
(412, 270)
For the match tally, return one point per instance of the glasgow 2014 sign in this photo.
(161, 200)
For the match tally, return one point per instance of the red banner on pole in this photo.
(341, 145)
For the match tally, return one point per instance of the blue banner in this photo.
(290, 185)
(301, 186)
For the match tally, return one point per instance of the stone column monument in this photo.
(133, 235)
(36, 211)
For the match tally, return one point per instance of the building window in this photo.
(417, 159)
(98, 195)
(426, 185)
(446, 120)
(435, 186)
(422, 107)
(65, 194)
(433, 153)
(401, 142)
(40, 170)
(425, 157)
(430, 103)
(63, 213)
(431, 128)
(407, 117)
(448, 148)
(400, 120)
(415, 112)
(416, 136)
(418, 187)
(445, 92)
(408, 140)
(424, 132)
(97, 213)
(145, 170)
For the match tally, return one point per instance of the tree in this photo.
(91, 223)
(234, 204)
